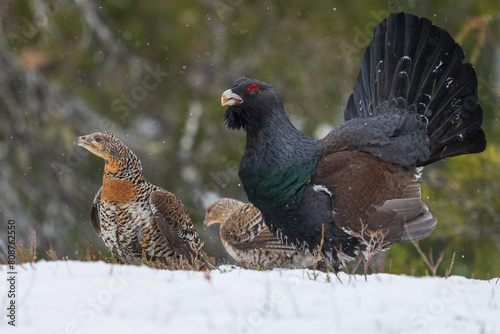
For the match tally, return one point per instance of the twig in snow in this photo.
(373, 241)
(429, 261)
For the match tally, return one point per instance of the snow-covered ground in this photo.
(87, 297)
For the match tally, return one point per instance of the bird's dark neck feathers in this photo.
(278, 162)
(277, 143)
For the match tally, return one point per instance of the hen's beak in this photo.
(207, 222)
(209, 219)
(81, 141)
(229, 98)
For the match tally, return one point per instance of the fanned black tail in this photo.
(417, 66)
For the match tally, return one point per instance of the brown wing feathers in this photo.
(374, 193)
(174, 222)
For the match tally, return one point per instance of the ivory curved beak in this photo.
(229, 98)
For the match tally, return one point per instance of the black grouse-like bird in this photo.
(414, 102)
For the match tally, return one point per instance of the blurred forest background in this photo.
(152, 72)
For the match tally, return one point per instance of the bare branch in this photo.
(373, 241)
(429, 261)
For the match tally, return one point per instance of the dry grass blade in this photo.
(51, 253)
(27, 254)
(92, 253)
(448, 271)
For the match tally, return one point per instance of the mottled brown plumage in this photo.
(134, 217)
(248, 240)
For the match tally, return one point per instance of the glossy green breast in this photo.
(276, 187)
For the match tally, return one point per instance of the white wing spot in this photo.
(320, 187)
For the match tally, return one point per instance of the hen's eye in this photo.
(253, 89)
(99, 139)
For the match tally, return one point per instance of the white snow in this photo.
(94, 297)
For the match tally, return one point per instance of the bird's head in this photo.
(249, 104)
(105, 145)
(218, 211)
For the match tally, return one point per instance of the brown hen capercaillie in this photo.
(249, 241)
(133, 217)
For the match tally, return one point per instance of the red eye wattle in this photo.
(99, 139)
(253, 89)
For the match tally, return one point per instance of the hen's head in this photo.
(104, 145)
(218, 211)
(250, 102)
